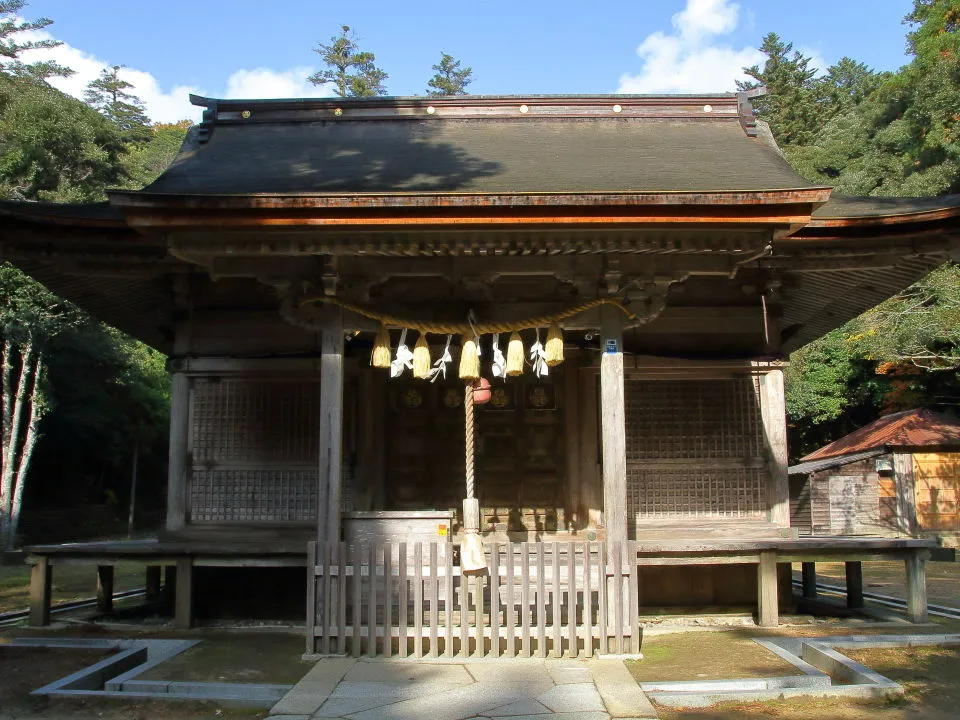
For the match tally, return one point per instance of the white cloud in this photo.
(691, 59)
(172, 104)
(267, 83)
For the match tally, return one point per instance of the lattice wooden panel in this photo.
(692, 491)
(259, 421)
(692, 419)
(253, 495)
(694, 447)
(254, 449)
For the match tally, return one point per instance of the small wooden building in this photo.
(677, 254)
(898, 476)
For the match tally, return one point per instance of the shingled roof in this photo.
(910, 428)
(477, 144)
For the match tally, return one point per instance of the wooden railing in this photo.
(533, 599)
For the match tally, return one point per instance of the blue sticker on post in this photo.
(611, 346)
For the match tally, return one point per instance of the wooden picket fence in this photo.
(533, 599)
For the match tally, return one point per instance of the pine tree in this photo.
(449, 79)
(11, 48)
(790, 105)
(352, 72)
(108, 95)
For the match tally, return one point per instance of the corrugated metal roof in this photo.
(813, 466)
(910, 428)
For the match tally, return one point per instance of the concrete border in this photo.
(819, 661)
(115, 676)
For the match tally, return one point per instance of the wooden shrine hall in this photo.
(344, 287)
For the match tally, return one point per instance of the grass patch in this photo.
(706, 656)
(255, 658)
(70, 582)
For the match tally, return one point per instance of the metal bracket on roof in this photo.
(205, 128)
(748, 120)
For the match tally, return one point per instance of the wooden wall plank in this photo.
(418, 600)
(448, 600)
(342, 598)
(525, 599)
(402, 598)
(495, 600)
(590, 481)
(571, 598)
(434, 601)
(511, 608)
(312, 608)
(556, 604)
(387, 600)
(541, 602)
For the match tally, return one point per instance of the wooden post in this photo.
(152, 583)
(906, 493)
(767, 611)
(330, 477)
(183, 610)
(809, 570)
(105, 588)
(41, 580)
(916, 567)
(613, 426)
(177, 465)
(854, 584)
(571, 432)
(774, 417)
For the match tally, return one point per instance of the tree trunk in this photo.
(133, 480)
(26, 454)
(12, 441)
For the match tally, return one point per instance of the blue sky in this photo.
(243, 48)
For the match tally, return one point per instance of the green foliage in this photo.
(144, 162)
(450, 78)
(11, 48)
(866, 133)
(790, 105)
(352, 72)
(106, 391)
(920, 326)
(53, 147)
(108, 95)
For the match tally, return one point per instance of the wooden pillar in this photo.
(906, 493)
(177, 465)
(183, 608)
(809, 570)
(105, 588)
(571, 432)
(854, 584)
(613, 426)
(152, 583)
(916, 567)
(767, 598)
(773, 414)
(330, 477)
(41, 580)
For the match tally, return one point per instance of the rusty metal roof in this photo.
(910, 428)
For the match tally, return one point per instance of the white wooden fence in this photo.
(534, 599)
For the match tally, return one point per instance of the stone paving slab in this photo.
(622, 696)
(518, 708)
(580, 697)
(444, 689)
(401, 672)
(463, 702)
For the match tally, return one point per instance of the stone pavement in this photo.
(433, 689)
